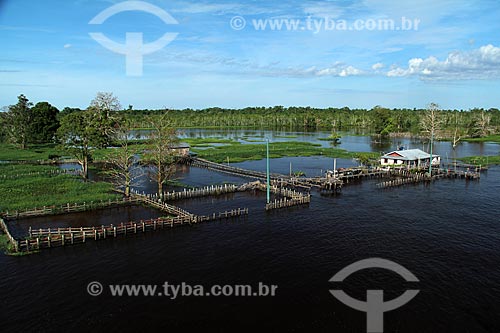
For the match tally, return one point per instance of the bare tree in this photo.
(457, 135)
(102, 107)
(482, 120)
(125, 169)
(105, 102)
(431, 120)
(162, 138)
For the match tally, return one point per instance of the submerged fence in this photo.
(54, 237)
(69, 208)
(196, 192)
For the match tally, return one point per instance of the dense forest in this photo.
(25, 123)
(378, 120)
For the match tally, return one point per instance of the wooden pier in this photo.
(405, 177)
(395, 176)
(202, 163)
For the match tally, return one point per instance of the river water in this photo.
(446, 233)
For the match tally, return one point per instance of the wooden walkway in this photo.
(396, 176)
(202, 163)
(407, 177)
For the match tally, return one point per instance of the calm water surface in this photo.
(446, 233)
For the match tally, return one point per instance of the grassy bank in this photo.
(9, 152)
(5, 245)
(481, 160)
(45, 189)
(238, 152)
(489, 138)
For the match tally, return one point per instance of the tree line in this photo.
(377, 120)
(81, 132)
(25, 123)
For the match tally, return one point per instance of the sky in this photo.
(234, 54)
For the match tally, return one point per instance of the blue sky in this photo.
(453, 58)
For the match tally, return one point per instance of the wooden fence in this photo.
(407, 177)
(54, 172)
(70, 208)
(285, 202)
(54, 237)
(196, 192)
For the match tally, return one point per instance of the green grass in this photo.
(10, 152)
(46, 190)
(254, 140)
(490, 138)
(239, 153)
(204, 142)
(286, 136)
(4, 243)
(481, 160)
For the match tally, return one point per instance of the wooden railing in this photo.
(54, 237)
(68, 208)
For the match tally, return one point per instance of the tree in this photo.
(125, 170)
(480, 123)
(102, 107)
(161, 139)
(44, 123)
(4, 124)
(78, 133)
(67, 110)
(18, 121)
(382, 121)
(431, 120)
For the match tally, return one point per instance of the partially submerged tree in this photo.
(78, 134)
(480, 125)
(383, 122)
(125, 169)
(431, 120)
(160, 154)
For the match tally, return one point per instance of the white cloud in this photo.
(323, 9)
(199, 8)
(378, 66)
(337, 69)
(220, 8)
(482, 63)
(67, 46)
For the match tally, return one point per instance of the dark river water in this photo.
(446, 233)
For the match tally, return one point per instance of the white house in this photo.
(181, 149)
(410, 157)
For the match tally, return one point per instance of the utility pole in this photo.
(430, 161)
(267, 172)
